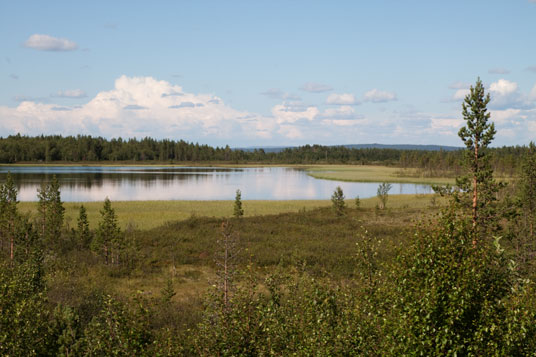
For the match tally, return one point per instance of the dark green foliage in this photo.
(50, 212)
(337, 201)
(357, 202)
(238, 211)
(83, 234)
(382, 194)
(109, 240)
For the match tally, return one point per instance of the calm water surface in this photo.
(133, 183)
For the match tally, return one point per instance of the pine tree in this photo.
(479, 183)
(337, 200)
(238, 210)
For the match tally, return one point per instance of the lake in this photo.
(137, 183)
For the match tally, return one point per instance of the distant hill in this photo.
(362, 146)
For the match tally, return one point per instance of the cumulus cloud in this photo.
(135, 107)
(498, 70)
(505, 94)
(292, 112)
(459, 95)
(342, 99)
(314, 87)
(48, 43)
(73, 93)
(342, 116)
(532, 95)
(378, 96)
(503, 87)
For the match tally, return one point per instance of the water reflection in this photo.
(130, 183)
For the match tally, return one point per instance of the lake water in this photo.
(133, 183)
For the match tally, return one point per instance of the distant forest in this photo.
(57, 148)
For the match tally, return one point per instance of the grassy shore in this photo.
(373, 173)
(151, 214)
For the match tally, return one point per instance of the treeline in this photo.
(50, 149)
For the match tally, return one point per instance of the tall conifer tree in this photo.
(478, 183)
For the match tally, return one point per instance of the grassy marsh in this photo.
(151, 214)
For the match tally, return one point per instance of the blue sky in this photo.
(266, 72)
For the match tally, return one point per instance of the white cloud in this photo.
(503, 87)
(135, 107)
(342, 112)
(502, 116)
(74, 93)
(316, 87)
(49, 43)
(378, 96)
(532, 95)
(505, 94)
(342, 99)
(446, 123)
(145, 106)
(291, 113)
(460, 94)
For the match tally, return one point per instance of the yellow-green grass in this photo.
(373, 173)
(151, 214)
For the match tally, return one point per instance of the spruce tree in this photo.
(83, 233)
(51, 211)
(238, 210)
(108, 239)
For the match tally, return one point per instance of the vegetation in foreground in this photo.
(323, 282)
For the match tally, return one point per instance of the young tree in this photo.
(226, 261)
(238, 210)
(357, 202)
(382, 193)
(83, 234)
(8, 213)
(108, 236)
(337, 200)
(51, 211)
(527, 192)
(525, 216)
